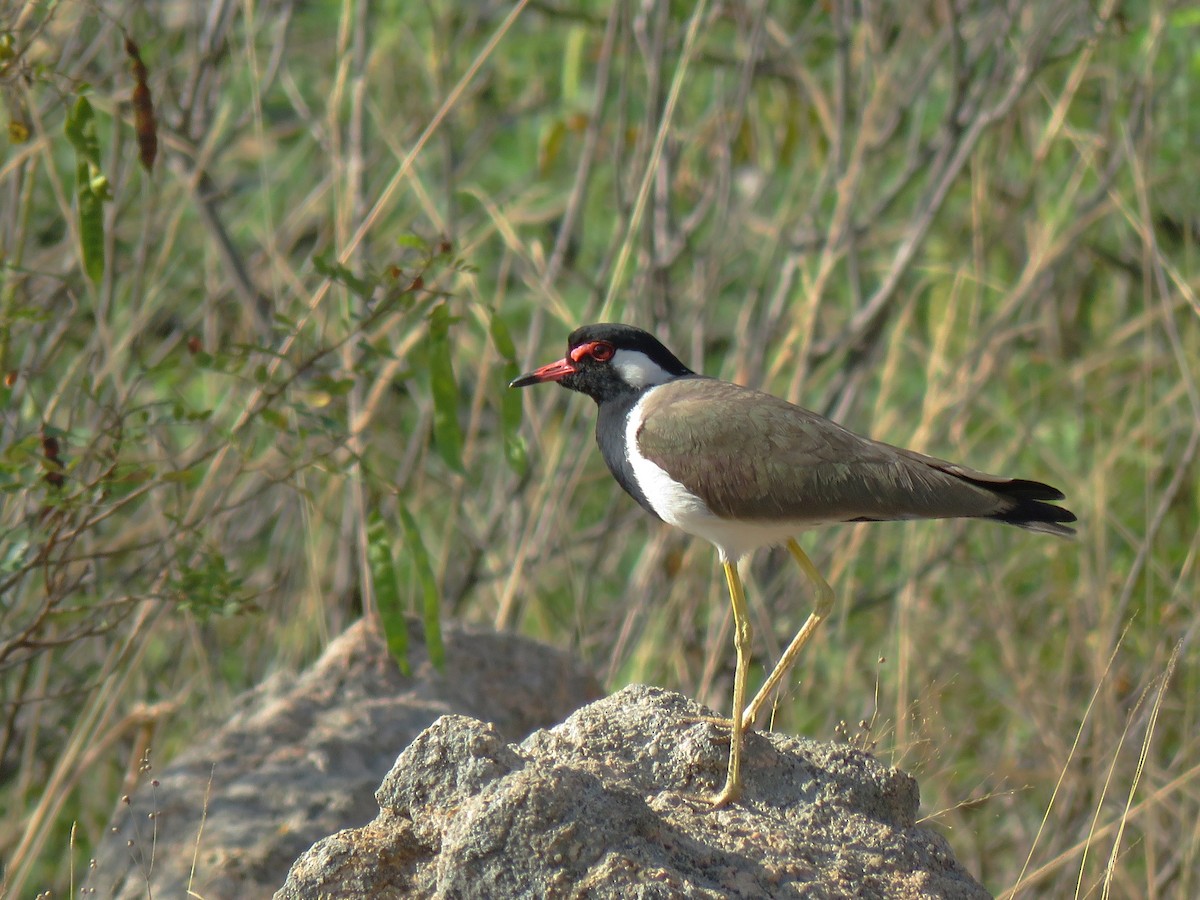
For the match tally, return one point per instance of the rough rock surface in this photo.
(606, 805)
(304, 754)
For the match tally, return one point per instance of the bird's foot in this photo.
(728, 794)
(732, 789)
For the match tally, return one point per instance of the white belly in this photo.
(678, 506)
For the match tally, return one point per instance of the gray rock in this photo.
(608, 804)
(304, 754)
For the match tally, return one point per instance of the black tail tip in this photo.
(1036, 515)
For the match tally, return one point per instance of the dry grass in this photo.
(965, 228)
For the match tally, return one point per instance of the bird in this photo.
(746, 470)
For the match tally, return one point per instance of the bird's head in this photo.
(608, 360)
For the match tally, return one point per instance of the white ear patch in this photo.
(638, 370)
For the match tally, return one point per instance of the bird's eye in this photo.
(602, 351)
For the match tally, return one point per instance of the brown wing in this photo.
(751, 455)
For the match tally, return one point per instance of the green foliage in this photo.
(446, 433)
(419, 559)
(225, 387)
(204, 586)
(386, 581)
(515, 450)
(91, 185)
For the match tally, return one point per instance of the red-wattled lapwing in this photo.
(744, 470)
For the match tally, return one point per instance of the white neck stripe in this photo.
(638, 370)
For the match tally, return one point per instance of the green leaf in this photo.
(413, 242)
(328, 266)
(430, 606)
(189, 477)
(275, 418)
(81, 131)
(335, 387)
(502, 339)
(515, 450)
(387, 590)
(447, 435)
(91, 234)
(18, 547)
(550, 144)
(91, 186)
(574, 62)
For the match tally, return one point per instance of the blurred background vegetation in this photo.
(258, 390)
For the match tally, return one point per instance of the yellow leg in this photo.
(821, 610)
(741, 643)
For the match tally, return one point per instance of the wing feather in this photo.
(751, 455)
